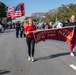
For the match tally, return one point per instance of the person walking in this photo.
(21, 30)
(30, 39)
(17, 29)
(73, 41)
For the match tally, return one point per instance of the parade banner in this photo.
(64, 34)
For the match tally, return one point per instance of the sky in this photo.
(32, 6)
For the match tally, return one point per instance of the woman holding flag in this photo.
(73, 41)
(30, 39)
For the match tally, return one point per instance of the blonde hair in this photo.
(29, 20)
(26, 23)
(71, 18)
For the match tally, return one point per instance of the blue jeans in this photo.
(21, 33)
(17, 32)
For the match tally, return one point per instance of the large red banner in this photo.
(64, 34)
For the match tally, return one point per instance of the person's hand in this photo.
(28, 32)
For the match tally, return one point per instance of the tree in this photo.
(65, 11)
(53, 19)
(8, 19)
(27, 18)
(3, 10)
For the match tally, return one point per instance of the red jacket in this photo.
(30, 28)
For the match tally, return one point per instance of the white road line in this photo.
(44, 47)
(73, 66)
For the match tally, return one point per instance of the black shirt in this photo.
(18, 25)
(72, 24)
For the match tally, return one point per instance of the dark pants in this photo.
(17, 32)
(31, 45)
(21, 33)
(0, 30)
(24, 35)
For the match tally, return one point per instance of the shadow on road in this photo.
(4, 72)
(7, 31)
(53, 56)
(10, 30)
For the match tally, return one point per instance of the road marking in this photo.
(73, 66)
(44, 47)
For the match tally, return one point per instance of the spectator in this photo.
(43, 26)
(0, 26)
(17, 29)
(59, 25)
(47, 26)
(21, 30)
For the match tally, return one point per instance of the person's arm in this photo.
(27, 32)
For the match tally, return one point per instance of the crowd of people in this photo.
(26, 28)
(31, 41)
(3, 26)
(19, 27)
(44, 26)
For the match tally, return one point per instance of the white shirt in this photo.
(60, 25)
(0, 26)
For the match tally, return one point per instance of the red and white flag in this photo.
(10, 12)
(16, 11)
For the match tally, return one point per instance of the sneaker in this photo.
(32, 59)
(72, 54)
(29, 58)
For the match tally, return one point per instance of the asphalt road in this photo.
(51, 57)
